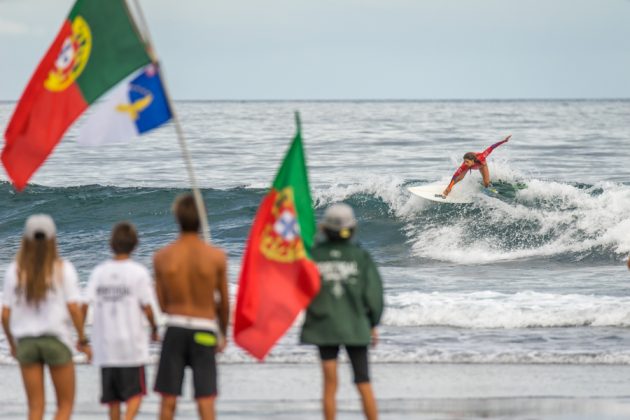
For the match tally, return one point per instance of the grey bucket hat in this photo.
(339, 216)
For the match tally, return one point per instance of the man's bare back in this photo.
(191, 285)
(189, 274)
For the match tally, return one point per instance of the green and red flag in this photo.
(98, 46)
(278, 277)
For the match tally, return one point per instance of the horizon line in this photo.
(393, 100)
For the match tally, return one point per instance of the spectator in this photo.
(40, 300)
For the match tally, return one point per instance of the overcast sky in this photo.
(360, 49)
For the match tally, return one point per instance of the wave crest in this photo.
(499, 310)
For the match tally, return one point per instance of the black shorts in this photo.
(358, 356)
(186, 347)
(120, 384)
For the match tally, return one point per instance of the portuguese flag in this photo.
(278, 278)
(98, 45)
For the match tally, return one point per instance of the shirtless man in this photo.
(191, 285)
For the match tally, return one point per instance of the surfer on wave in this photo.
(472, 161)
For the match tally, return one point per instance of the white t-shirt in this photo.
(50, 316)
(117, 290)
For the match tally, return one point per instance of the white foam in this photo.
(561, 218)
(503, 357)
(499, 310)
(387, 188)
(421, 354)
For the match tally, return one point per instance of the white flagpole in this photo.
(201, 208)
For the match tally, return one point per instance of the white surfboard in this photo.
(433, 192)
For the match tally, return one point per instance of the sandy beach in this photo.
(405, 391)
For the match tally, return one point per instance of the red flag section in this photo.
(271, 293)
(278, 277)
(43, 114)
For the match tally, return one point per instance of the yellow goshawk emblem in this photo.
(74, 55)
(134, 109)
(281, 240)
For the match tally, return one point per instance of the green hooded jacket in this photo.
(350, 301)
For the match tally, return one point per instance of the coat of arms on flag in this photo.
(281, 240)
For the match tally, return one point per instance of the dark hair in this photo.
(471, 156)
(124, 238)
(186, 213)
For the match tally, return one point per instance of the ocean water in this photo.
(538, 279)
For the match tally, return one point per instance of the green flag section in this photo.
(278, 278)
(98, 46)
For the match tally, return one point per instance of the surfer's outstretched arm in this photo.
(489, 150)
(459, 174)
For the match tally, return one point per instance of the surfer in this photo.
(472, 161)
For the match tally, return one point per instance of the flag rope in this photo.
(201, 208)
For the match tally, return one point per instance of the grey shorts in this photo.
(45, 350)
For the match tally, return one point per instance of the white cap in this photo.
(39, 223)
(339, 216)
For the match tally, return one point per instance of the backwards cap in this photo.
(40, 224)
(338, 217)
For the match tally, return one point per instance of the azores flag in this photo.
(133, 107)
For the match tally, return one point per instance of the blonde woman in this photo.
(41, 300)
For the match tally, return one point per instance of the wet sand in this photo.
(404, 391)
